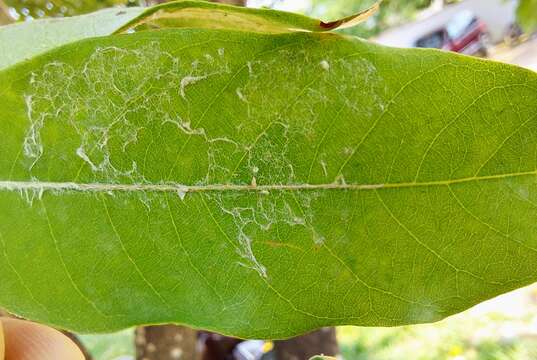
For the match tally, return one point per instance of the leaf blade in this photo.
(211, 259)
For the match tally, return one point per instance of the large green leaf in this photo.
(262, 185)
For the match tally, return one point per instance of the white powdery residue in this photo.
(71, 97)
(182, 191)
(32, 146)
(324, 167)
(318, 239)
(243, 218)
(246, 252)
(325, 65)
(250, 68)
(259, 218)
(130, 137)
(189, 80)
(185, 127)
(34, 190)
(523, 191)
(340, 180)
(30, 195)
(222, 140)
(347, 151)
(81, 153)
(240, 95)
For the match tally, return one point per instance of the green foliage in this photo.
(527, 14)
(262, 185)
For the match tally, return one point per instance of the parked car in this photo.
(465, 34)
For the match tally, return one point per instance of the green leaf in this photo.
(527, 14)
(207, 15)
(262, 185)
(22, 41)
(321, 357)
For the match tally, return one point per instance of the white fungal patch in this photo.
(188, 80)
(202, 70)
(340, 180)
(108, 106)
(81, 153)
(31, 195)
(185, 126)
(33, 149)
(182, 194)
(262, 214)
(318, 239)
(114, 113)
(324, 166)
(240, 95)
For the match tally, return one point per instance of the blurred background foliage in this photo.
(393, 12)
(527, 14)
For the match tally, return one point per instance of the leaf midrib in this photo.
(175, 187)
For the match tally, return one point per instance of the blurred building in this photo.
(498, 15)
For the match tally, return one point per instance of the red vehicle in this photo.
(465, 34)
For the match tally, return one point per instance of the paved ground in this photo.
(524, 55)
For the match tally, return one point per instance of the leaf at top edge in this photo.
(262, 185)
(207, 15)
(21, 41)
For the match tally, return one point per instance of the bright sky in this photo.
(288, 5)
